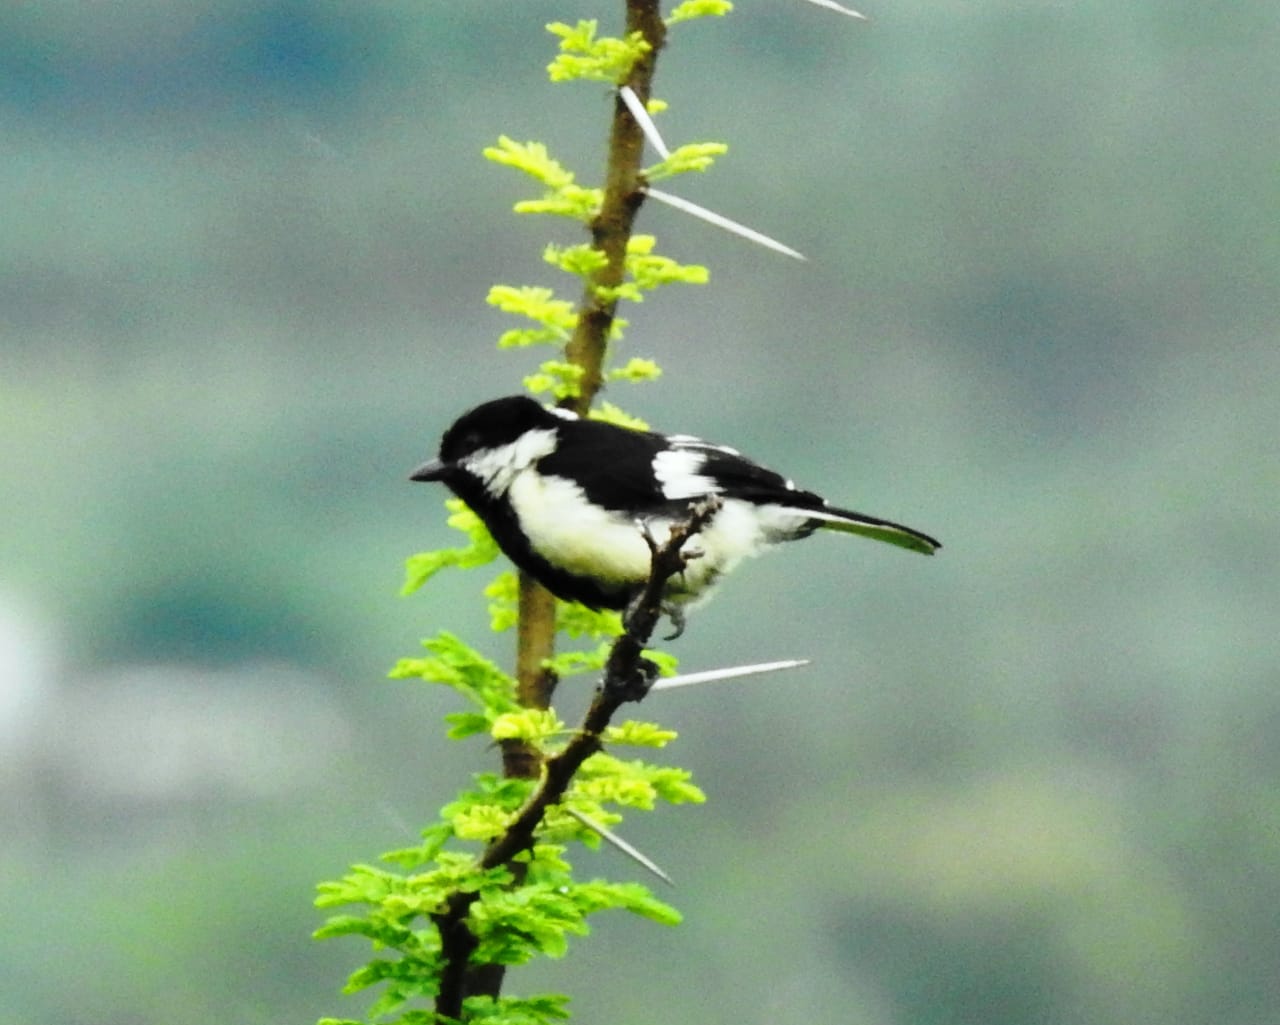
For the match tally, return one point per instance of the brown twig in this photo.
(623, 196)
(535, 682)
(627, 677)
(610, 232)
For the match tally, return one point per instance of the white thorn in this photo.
(831, 5)
(711, 675)
(621, 844)
(720, 221)
(643, 119)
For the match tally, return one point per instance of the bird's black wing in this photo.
(645, 474)
(613, 465)
(744, 479)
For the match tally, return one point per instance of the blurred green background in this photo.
(1036, 779)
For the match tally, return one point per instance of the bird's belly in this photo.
(575, 536)
(585, 540)
(735, 533)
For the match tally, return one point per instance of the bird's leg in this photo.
(629, 615)
(628, 675)
(642, 525)
(635, 685)
(675, 614)
(670, 609)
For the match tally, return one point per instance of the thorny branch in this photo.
(627, 677)
(610, 233)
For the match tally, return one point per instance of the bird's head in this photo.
(493, 442)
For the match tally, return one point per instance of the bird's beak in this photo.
(432, 469)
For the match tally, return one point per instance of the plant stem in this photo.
(610, 233)
(626, 678)
(623, 196)
(536, 630)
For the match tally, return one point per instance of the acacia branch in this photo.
(535, 682)
(627, 677)
(623, 196)
(610, 232)
(536, 631)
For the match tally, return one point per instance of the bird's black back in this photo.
(612, 464)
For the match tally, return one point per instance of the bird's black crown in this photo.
(494, 423)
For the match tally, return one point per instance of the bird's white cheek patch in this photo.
(498, 466)
(571, 533)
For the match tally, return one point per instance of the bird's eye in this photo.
(467, 443)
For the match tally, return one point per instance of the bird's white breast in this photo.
(572, 533)
(584, 539)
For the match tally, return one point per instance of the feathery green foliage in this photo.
(410, 905)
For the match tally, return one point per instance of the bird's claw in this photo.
(636, 686)
(642, 525)
(675, 614)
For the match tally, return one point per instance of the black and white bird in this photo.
(569, 501)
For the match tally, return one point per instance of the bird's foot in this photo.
(635, 686)
(673, 611)
(675, 614)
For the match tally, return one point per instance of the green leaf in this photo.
(556, 376)
(634, 784)
(581, 260)
(611, 414)
(563, 195)
(584, 56)
(692, 156)
(503, 593)
(562, 827)
(636, 369)
(573, 201)
(628, 291)
(377, 970)
(346, 925)
(364, 884)
(483, 822)
(666, 662)
(579, 621)
(423, 566)
(456, 664)
(466, 724)
(649, 270)
(533, 159)
(690, 9)
(639, 734)
(575, 663)
(493, 790)
(480, 549)
(534, 725)
(546, 865)
(635, 898)
(434, 839)
(557, 316)
(512, 926)
(532, 1010)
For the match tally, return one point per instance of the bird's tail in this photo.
(870, 526)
